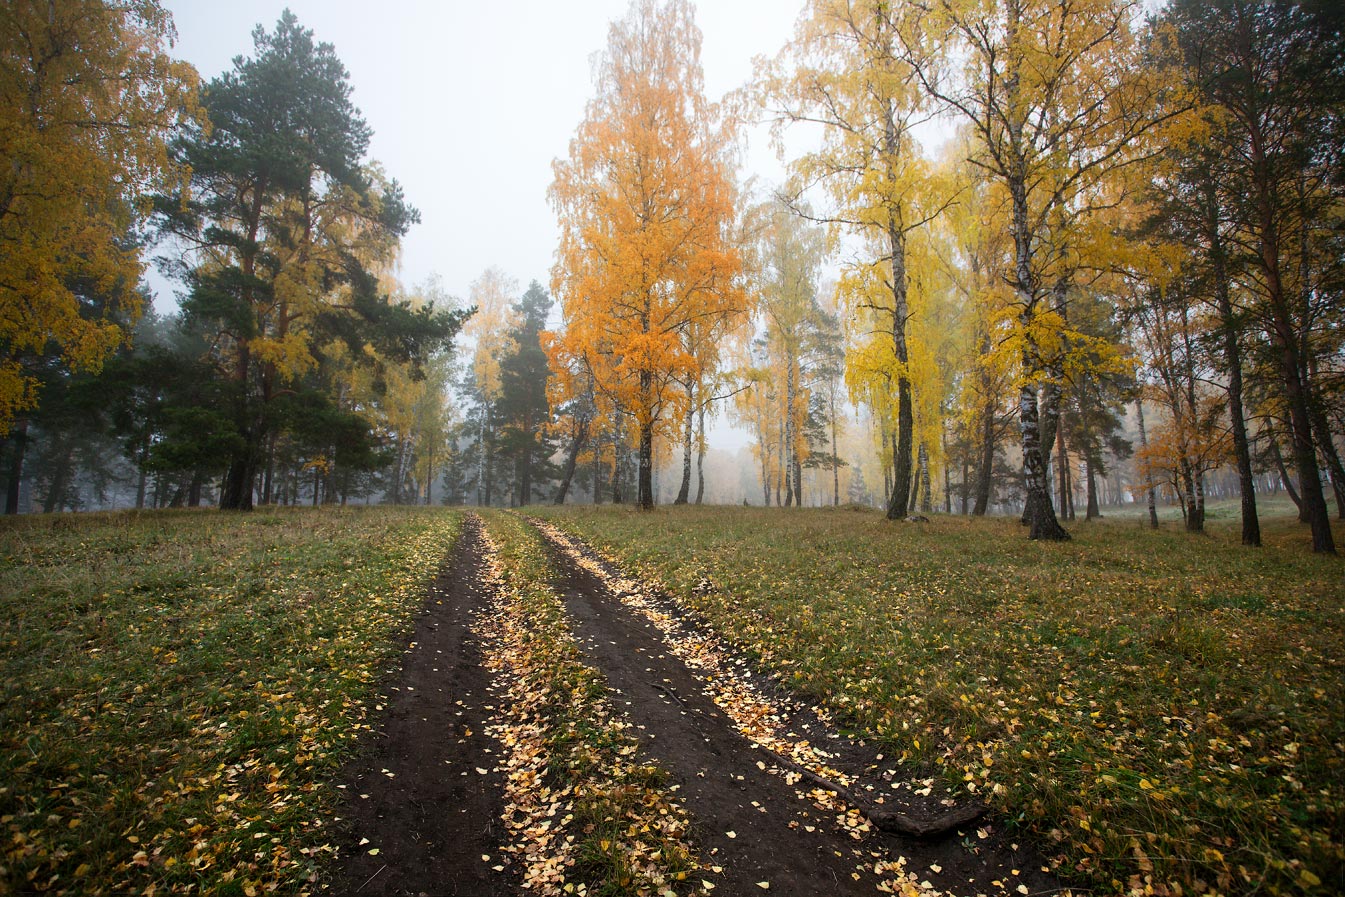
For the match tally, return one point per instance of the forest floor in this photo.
(1156, 711)
(698, 700)
(427, 792)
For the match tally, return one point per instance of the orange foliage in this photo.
(645, 201)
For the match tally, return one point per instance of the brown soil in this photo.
(724, 788)
(414, 791)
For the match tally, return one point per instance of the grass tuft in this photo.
(587, 814)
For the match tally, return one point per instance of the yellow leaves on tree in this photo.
(88, 94)
(1060, 99)
(848, 70)
(644, 200)
(493, 295)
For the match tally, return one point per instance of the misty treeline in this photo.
(1125, 249)
(296, 367)
(1109, 272)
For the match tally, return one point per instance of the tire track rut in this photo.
(724, 779)
(414, 791)
(717, 770)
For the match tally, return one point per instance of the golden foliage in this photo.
(88, 95)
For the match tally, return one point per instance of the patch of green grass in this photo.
(576, 777)
(179, 688)
(1155, 708)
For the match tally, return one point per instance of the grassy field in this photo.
(179, 689)
(1156, 709)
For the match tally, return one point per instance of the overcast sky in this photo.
(471, 101)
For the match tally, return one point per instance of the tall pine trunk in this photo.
(1321, 432)
(1284, 338)
(1094, 510)
(1251, 525)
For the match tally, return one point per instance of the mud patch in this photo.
(423, 820)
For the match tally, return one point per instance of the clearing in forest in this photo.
(718, 700)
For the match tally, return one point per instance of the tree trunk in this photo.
(896, 239)
(269, 474)
(1321, 432)
(947, 475)
(397, 462)
(915, 492)
(1200, 497)
(790, 448)
(1195, 522)
(1040, 514)
(597, 471)
(142, 474)
(18, 448)
(646, 484)
(572, 460)
(765, 465)
(1305, 454)
(1094, 510)
(525, 471)
(688, 434)
(194, 491)
(985, 475)
(835, 459)
(902, 456)
(1144, 441)
(700, 455)
(1037, 511)
(1285, 340)
(1285, 478)
(55, 498)
(798, 480)
(926, 500)
(1251, 525)
(429, 477)
(488, 466)
(1062, 472)
(238, 479)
